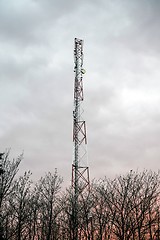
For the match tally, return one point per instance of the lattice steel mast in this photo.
(80, 170)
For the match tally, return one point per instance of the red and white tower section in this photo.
(80, 169)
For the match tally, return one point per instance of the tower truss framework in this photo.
(80, 169)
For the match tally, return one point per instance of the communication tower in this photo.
(80, 169)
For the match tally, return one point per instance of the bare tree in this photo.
(65, 216)
(48, 187)
(19, 204)
(101, 213)
(125, 208)
(131, 201)
(10, 169)
(33, 216)
(145, 203)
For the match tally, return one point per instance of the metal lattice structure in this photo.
(80, 170)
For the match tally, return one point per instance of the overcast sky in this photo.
(121, 84)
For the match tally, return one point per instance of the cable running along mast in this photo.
(80, 170)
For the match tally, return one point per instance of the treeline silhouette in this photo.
(124, 208)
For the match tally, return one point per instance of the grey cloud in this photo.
(121, 84)
(143, 31)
